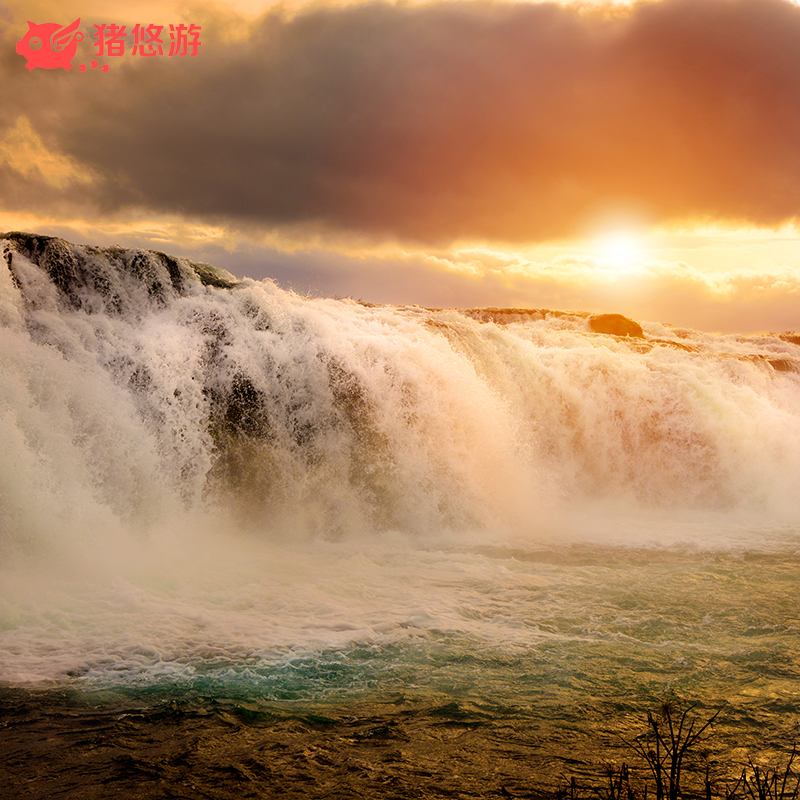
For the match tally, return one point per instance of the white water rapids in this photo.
(216, 483)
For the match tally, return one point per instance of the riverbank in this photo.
(60, 744)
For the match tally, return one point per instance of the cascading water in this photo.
(218, 486)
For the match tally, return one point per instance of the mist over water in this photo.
(219, 486)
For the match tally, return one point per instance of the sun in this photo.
(620, 249)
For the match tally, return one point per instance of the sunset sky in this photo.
(641, 159)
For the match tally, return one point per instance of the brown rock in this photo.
(616, 325)
(783, 364)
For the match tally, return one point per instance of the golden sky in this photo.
(639, 158)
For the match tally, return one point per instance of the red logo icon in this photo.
(49, 46)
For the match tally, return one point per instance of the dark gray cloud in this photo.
(446, 120)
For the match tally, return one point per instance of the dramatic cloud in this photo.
(23, 151)
(452, 120)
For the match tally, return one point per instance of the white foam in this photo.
(245, 474)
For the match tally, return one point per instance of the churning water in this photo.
(219, 488)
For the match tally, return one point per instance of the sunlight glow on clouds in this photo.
(449, 152)
(448, 121)
(663, 284)
(23, 150)
(620, 249)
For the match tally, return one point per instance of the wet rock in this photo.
(94, 278)
(615, 325)
(783, 364)
(213, 276)
(676, 345)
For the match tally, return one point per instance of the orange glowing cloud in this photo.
(444, 121)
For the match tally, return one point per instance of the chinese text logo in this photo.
(148, 40)
(50, 46)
